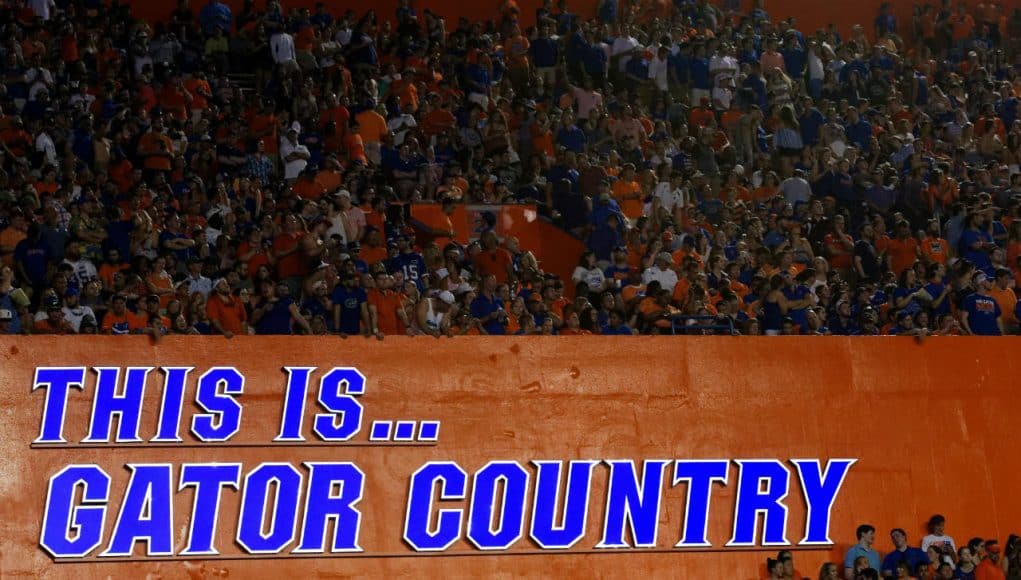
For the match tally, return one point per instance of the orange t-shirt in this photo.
(386, 302)
(935, 250)
(292, 264)
(231, 314)
(903, 253)
(310, 190)
(371, 126)
(495, 262)
(1007, 300)
(152, 142)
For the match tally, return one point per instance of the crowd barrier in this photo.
(448, 453)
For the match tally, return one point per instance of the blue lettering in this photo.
(57, 381)
(61, 515)
(700, 477)
(208, 480)
(222, 418)
(629, 502)
(340, 406)
(294, 403)
(323, 505)
(546, 530)
(418, 532)
(254, 502)
(127, 407)
(820, 490)
(752, 501)
(147, 513)
(509, 509)
(172, 405)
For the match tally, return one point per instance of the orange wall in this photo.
(931, 425)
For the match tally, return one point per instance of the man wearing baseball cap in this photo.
(980, 314)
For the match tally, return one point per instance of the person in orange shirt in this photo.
(542, 134)
(227, 315)
(516, 49)
(373, 129)
(386, 307)
(628, 192)
(572, 324)
(934, 249)
(175, 99)
(156, 148)
(702, 114)
(439, 119)
(902, 250)
(198, 87)
(1004, 295)
(307, 187)
(119, 320)
(373, 250)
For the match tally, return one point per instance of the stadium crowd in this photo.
(251, 172)
(937, 557)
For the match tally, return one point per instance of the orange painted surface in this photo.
(931, 425)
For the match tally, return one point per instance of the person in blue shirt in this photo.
(866, 537)
(215, 15)
(701, 84)
(976, 243)
(350, 307)
(902, 553)
(607, 11)
(616, 326)
(488, 307)
(407, 261)
(277, 312)
(980, 314)
(569, 135)
(810, 121)
(794, 57)
(859, 131)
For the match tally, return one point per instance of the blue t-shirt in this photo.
(810, 123)
(983, 312)
(979, 257)
(700, 74)
(798, 315)
(276, 320)
(482, 307)
(350, 301)
(856, 551)
(572, 138)
(544, 52)
(622, 330)
(411, 264)
(913, 556)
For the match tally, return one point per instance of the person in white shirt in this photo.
(937, 537)
(44, 144)
(43, 9)
(722, 64)
(659, 69)
(622, 48)
(195, 280)
(74, 312)
(401, 124)
(662, 272)
(37, 78)
(294, 155)
(82, 269)
(281, 46)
